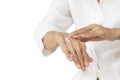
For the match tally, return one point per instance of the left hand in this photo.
(94, 32)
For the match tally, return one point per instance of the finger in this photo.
(70, 48)
(66, 52)
(79, 31)
(91, 39)
(76, 60)
(85, 54)
(74, 55)
(78, 36)
(81, 59)
(83, 30)
(89, 35)
(89, 58)
(61, 42)
(83, 49)
(80, 56)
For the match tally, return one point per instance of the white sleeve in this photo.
(57, 19)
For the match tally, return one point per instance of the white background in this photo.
(20, 57)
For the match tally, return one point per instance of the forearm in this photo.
(49, 41)
(116, 31)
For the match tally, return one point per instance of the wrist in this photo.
(49, 41)
(116, 32)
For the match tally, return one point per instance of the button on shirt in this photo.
(105, 54)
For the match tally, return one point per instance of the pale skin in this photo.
(75, 49)
(95, 32)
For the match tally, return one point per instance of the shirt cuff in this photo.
(39, 32)
(38, 39)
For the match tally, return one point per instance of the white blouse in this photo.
(105, 54)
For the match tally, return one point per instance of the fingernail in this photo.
(78, 65)
(91, 59)
(70, 59)
(83, 69)
(86, 64)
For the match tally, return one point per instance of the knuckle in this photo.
(85, 58)
(78, 50)
(70, 47)
(67, 55)
(64, 46)
(81, 60)
(72, 51)
(76, 61)
(83, 45)
(80, 56)
(75, 43)
(78, 46)
(65, 51)
(84, 50)
(75, 58)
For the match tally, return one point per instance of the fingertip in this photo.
(70, 59)
(83, 69)
(78, 66)
(86, 64)
(90, 59)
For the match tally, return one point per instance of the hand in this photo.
(74, 50)
(78, 53)
(94, 32)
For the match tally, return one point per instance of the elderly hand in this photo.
(74, 50)
(94, 32)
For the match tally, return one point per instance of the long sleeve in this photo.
(57, 19)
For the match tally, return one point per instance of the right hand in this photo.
(75, 50)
